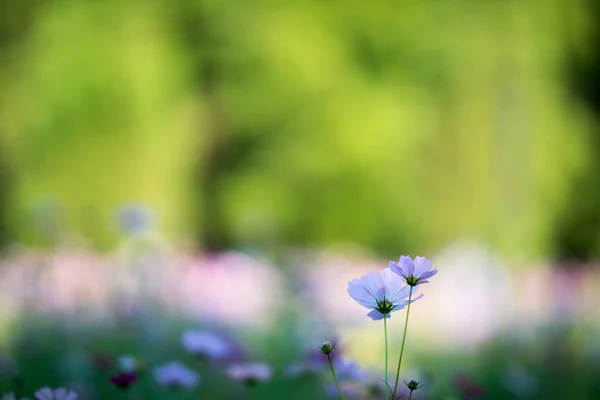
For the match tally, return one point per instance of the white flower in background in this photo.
(176, 375)
(206, 344)
(10, 396)
(250, 373)
(127, 363)
(519, 381)
(57, 394)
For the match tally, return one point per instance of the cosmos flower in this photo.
(413, 272)
(46, 393)
(250, 374)
(206, 344)
(176, 375)
(124, 380)
(381, 292)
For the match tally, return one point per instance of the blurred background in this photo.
(229, 166)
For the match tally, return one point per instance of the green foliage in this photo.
(406, 124)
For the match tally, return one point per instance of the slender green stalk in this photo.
(337, 384)
(387, 392)
(403, 341)
(410, 396)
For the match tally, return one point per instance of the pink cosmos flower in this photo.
(381, 292)
(413, 272)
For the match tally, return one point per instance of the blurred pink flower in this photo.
(215, 286)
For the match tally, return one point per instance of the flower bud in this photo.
(326, 348)
(413, 385)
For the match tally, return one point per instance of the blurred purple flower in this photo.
(251, 373)
(135, 218)
(176, 375)
(350, 390)
(382, 293)
(348, 370)
(413, 272)
(57, 394)
(123, 380)
(207, 344)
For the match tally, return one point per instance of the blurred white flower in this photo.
(135, 218)
(46, 393)
(250, 373)
(519, 381)
(8, 396)
(127, 363)
(206, 344)
(176, 375)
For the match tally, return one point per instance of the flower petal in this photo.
(373, 284)
(407, 265)
(395, 268)
(429, 274)
(376, 315)
(357, 291)
(400, 294)
(393, 283)
(44, 393)
(417, 298)
(422, 265)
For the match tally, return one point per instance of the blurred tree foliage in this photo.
(396, 125)
(578, 227)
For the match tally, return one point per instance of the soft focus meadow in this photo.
(208, 199)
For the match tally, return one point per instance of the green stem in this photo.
(386, 356)
(403, 341)
(337, 384)
(410, 396)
